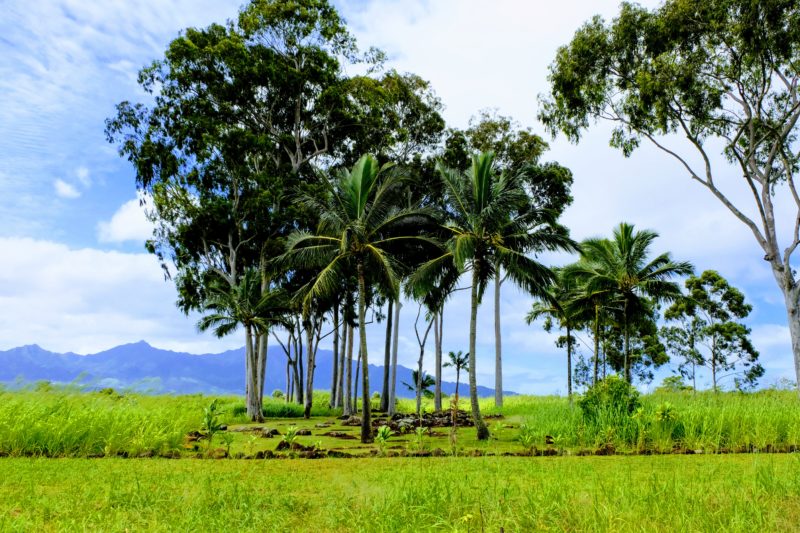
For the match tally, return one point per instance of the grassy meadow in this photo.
(78, 460)
(65, 422)
(728, 493)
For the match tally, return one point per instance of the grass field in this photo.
(728, 493)
(64, 422)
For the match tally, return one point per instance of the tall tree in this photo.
(621, 268)
(481, 238)
(555, 305)
(709, 320)
(358, 234)
(719, 74)
(245, 305)
(460, 363)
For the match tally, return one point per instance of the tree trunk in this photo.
(437, 339)
(297, 385)
(299, 363)
(254, 412)
(366, 423)
(793, 313)
(626, 365)
(347, 402)
(498, 347)
(480, 426)
(312, 364)
(335, 377)
(288, 381)
(596, 342)
(342, 357)
(263, 345)
(393, 376)
(387, 358)
(569, 363)
(355, 381)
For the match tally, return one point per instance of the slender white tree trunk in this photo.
(387, 358)
(347, 401)
(498, 346)
(437, 339)
(393, 376)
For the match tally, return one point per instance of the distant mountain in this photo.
(142, 367)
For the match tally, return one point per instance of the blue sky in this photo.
(74, 276)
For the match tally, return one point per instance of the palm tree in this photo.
(421, 386)
(245, 305)
(555, 304)
(621, 268)
(483, 237)
(359, 232)
(459, 361)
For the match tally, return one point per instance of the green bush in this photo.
(610, 399)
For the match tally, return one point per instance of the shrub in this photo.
(610, 399)
(277, 394)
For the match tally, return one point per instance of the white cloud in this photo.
(65, 190)
(87, 300)
(83, 176)
(129, 223)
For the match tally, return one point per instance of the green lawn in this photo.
(657, 493)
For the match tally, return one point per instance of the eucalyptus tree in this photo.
(709, 332)
(621, 268)
(700, 79)
(555, 305)
(481, 239)
(245, 305)
(359, 233)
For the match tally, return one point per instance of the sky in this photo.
(74, 275)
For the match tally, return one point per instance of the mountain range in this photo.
(139, 366)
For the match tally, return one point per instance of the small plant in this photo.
(382, 438)
(211, 424)
(251, 444)
(610, 400)
(420, 443)
(290, 437)
(666, 413)
(227, 440)
(527, 438)
(277, 394)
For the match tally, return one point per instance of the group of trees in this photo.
(614, 294)
(268, 216)
(250, 154)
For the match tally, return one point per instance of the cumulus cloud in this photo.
(86, 300)
(129, 223)
(65, 190)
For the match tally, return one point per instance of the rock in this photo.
(438, 452)
(218, 453)
(339, 435)
(269, 433)
(337, 453)
(245, 429)
(352, 421)
(223, 427)
(304, 432)
(322, 425)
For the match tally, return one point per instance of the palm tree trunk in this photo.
(366, 423)
(387, 358)
(480, 426)
(596, 342)
(335, 377)
(355, 381)
(263, 345)
(569, 363)
(626, 365)
(253, 407)
(498, 347)
(312, 364)
(437, 339)
(347, 401)
(393, 377)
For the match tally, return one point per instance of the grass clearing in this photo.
(663, 493)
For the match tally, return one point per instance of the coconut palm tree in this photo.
(245, 305)
(420, 386)
(482, 238)
(621, 268)
(555, 305)
(459, 361)
(359, 233)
